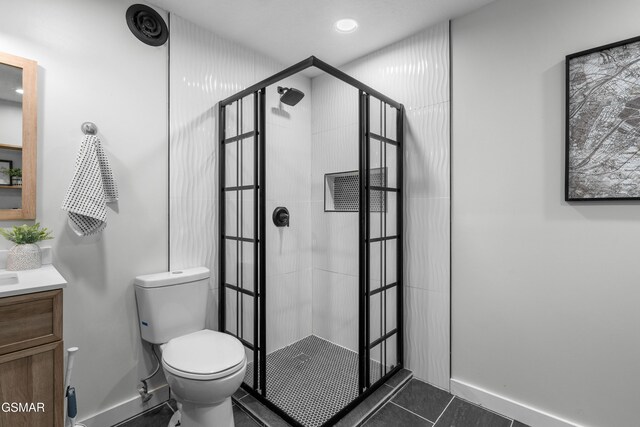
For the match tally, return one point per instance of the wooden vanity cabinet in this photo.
(31, 360)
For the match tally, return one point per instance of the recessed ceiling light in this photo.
(20, 91)
(347, 25)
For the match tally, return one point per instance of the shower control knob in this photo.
(281, 216)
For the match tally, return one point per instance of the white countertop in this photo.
(40, 279)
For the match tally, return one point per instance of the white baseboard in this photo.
(127, 409)
(505, 406)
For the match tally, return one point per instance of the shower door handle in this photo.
(281, 216)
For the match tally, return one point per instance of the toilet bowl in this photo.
(202, 367)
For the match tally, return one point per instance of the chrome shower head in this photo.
(289, 95)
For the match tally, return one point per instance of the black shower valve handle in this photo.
(280, 216)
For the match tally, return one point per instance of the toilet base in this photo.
(220, 415)
(175, 420)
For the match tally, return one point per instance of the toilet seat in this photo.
(204, 355)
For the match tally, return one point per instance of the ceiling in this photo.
(292, 30)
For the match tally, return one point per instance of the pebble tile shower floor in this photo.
(311, 379)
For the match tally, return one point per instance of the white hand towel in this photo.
(91, 188)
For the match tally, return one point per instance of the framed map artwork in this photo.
(603, 123)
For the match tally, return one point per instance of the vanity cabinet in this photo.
(31, 359)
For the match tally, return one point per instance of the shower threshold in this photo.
(312, 379)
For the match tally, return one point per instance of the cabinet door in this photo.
(32, 378)
(30, 320)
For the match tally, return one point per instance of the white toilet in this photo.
(203, 367)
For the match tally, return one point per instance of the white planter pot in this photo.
(24, 257)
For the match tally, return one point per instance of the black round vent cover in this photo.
(147, 25)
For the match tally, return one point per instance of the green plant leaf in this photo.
(26, 234)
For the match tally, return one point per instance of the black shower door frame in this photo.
(257, 343)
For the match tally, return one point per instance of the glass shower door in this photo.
(381, 239)
(241, 280)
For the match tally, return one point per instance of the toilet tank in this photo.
(172, 303)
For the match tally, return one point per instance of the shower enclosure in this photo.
(311, 240)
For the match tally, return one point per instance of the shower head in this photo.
(290, 96)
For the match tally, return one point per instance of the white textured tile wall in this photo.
(426, 346)
(415, 72)
(204, 69)
(288, 249)
(335, 307)
(289, 308)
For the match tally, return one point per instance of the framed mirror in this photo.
(18, 137)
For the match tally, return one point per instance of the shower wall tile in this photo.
(335, 104)
(427, 151)
(334, 240)
(288, 248)
(288, 164)
(335, 308)
(289, 298)
(195, 242)
(427, 335)
(427, 244)
(333, 150)
(206, 68)
(415, 72)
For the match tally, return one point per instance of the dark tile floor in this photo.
(416, 404)
(161, 414)
(421, 404)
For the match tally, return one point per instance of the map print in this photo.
(604, 124)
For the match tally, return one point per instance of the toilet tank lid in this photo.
(169, 278)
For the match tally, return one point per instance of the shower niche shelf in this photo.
(342, 191)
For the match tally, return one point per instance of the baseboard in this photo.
(529, 415)
(127, 409)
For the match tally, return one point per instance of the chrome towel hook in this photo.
(89, 128)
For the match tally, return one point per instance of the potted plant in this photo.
(15, 174)
(25, 254)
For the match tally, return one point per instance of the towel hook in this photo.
(89, 128)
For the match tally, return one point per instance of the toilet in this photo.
(203, 367)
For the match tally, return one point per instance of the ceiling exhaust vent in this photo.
(147, 25)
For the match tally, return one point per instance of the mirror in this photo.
(18, 133)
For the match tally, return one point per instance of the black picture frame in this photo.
(602, 141)
(5, 164)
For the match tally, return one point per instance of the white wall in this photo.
(415, 72)
(205, 69)
(90, 67)
(544, 292)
